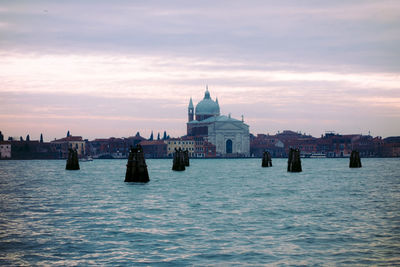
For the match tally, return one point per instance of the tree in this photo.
(28, 138)
(1, 137)
(151, 136)
(165, 135)
(21, 139)
(158, 136)
(68, 134)
(41, 138)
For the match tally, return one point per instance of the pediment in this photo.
(227, 126)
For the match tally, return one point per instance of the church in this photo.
(230, 136)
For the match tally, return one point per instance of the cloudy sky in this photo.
(112, 68)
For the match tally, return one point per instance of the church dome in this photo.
(207, 106)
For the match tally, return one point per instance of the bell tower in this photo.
(190, 110)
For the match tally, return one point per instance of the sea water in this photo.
(217, 212)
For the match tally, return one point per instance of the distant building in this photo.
(330, 145)
(109, 148)
(184, 143)
(307, 145)
(75, 142)
(113, 147)
(33, 150)
(5, 149)
(134, 140)
(270, 143)
(391, 147)
(336, 145)
(209, 149)
(154, 149)
(365, 144)
(229, 136)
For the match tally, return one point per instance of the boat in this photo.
(84, 159)
(318, 155)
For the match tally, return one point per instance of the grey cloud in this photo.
(360, 33)
(235, 36)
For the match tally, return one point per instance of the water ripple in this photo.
(217, 212)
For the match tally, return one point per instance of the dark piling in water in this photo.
(186, 158)
(355, 161)
(136, 168)
(266, 160)
(294, 163)
(72, 161)
(179, 161)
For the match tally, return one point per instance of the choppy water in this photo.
(217, 212)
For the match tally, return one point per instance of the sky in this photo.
(112, 68)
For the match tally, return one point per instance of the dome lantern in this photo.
(207, 94)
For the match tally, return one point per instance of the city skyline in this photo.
(102, 70)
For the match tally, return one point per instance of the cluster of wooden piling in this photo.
(266, 159)
(181, 160)
(294, 162)
(355, 161)
(72, 161)
(136, 168)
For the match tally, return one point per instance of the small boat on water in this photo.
(318, 155)
(84, 159)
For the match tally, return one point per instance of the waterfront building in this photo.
(33, 150)
(5, 149)
(365, 145)
(306, 145)
(184, 143)
(113, 147)
(109, 147)
(208, 150)
(75, 142)
(270, 143)
(230, 136)
(391, 147)
(336, 145)
(154, 149)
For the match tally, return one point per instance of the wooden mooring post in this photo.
(72, 161)
(266, 159)
(294, 162)
(355, 160)
(178, 163)
(136, 168)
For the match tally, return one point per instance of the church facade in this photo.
(230, 136)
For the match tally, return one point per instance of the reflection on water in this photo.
(216, 212)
